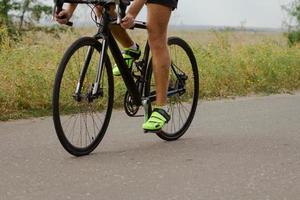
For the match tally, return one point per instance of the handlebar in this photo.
(58, 6)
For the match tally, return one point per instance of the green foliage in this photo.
(31, 11)
(294, 37)
(5, 19)
(15, 14)
(294, 31)
(38, 10)
(295, 11)
(20, 12)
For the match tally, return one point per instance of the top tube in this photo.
(101, 2)
(91, 1)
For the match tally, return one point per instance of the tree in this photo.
(293, 10)
(6, 21)
(4, 8)
(14, 12)
(32, 11)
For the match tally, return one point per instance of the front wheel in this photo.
(81, 118)
(183, 89)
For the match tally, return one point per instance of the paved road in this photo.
(248, 148)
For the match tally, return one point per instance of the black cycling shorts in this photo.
(170, 3)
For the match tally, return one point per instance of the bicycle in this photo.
(83, 93)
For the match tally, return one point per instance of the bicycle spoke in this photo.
(94, 124)
(73, 130)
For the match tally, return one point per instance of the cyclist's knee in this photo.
(157, 40)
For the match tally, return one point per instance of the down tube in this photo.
(125, 72)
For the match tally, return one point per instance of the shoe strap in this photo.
(132, 53)
(162, 113)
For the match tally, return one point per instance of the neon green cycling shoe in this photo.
(129, 56)
(157, 120)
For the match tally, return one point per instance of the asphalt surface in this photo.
(248, 148)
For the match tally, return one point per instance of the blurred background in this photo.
(256, 13)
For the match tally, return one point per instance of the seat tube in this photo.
(100, 67)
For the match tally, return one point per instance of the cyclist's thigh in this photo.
(157, 20)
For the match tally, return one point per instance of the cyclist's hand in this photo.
(128, 21)
(63, 17)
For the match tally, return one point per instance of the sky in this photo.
(250, 13)
(253, 13)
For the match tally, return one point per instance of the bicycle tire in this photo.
(60, 112)
(180, 131)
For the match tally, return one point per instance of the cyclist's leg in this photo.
(118, 32)
(157, 30)
(132, 51)
(122, 36)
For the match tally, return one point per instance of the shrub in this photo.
(294, 37)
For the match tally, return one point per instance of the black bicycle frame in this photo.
(108, 41)
(124, 70)
(126, 74)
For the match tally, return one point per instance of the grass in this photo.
(230, 64)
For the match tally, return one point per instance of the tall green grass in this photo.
(235, 69)
(230, 64)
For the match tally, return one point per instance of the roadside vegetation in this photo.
(231, 64)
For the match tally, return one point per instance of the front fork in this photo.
(100, 68)
(95, 89)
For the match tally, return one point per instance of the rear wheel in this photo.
(81, 119)
(184, 79)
